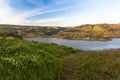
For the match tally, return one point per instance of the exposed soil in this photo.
(70, 68)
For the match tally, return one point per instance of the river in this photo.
(82, 44)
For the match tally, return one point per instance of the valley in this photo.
(98, 32)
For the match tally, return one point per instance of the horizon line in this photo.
(57, 25)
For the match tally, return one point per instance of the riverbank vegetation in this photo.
(29, 60)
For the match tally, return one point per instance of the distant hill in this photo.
(29, 31)
(83, 32)
(91, 32)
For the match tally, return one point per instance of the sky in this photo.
(59, 12)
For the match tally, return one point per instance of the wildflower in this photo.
(10, 38)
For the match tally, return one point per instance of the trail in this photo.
(70, 68)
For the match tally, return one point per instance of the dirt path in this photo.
(70, 68)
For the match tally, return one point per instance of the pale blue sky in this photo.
(59, 12)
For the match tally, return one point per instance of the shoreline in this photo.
(102, 40)
(80, 48)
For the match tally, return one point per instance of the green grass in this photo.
(29, 60)
(100, 65)
(24, 60)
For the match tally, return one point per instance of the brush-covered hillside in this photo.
(91, 32)
(29, 31)
(84, 32)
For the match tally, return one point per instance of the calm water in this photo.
(81, 44)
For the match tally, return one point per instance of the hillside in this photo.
(26, 60)
(100, 32)
(91, 32)
(29, 31)
(97, 65)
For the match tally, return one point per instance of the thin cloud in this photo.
(50, 20)
(22, 18)
(71, 14)
(9, 16)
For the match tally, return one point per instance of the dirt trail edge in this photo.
(70, 68)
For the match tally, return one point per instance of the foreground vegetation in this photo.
(25, 60)
(99, 65)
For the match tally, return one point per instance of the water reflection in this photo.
(81, 44)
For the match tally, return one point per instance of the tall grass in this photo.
(100, 65)
(24, 60)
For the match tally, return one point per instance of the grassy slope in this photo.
(100, 65)
(24, 60)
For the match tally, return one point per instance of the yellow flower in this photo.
(10, 38)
